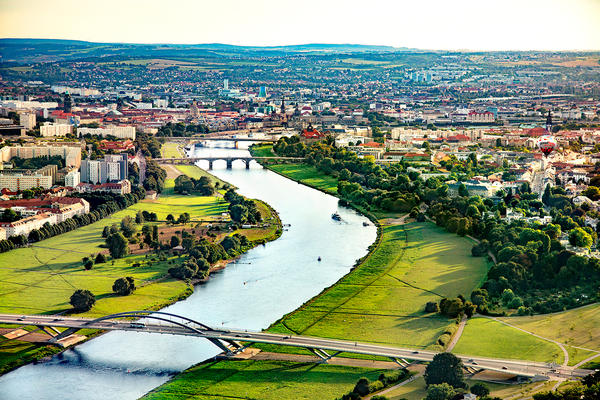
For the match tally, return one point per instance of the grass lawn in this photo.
(265, 380)
(579, 327)
(196, 172)
(383, 300)
(262, 151)
(171, 150)
(308, 175)
(488, 338)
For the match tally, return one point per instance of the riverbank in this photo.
(54, 270)
(381, 300)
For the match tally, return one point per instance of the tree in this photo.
(88, 264)
(184, 218)
(580, 238)
(105, 232)
(139, 217)
(442, 391)
(117, 245)
(100, 258)
(480, 389)
(82, 300)
(171, 219)
(124, 286)
(127, 226)
(239, 213)
(462, 190)
(9, 215)
(445, 368)
(175, 241)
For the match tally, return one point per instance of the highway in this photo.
(321, 346)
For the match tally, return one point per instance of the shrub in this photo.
(432, 307)
(100, 258)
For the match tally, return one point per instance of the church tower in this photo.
(549, 123)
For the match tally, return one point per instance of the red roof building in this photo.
(310, 134)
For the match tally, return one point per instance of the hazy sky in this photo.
(426, 24)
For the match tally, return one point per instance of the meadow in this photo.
(308, 175)
(488, 338)
(265, 380)
(383, 300)
(579, 327)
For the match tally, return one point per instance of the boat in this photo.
(336, 216)
(319, 259)
(365, 224)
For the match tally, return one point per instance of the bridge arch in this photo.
(149, 314)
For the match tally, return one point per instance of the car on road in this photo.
(59, 319)
(22, 318)
(503, 367)
(415, 352)
(247, 336)
(474, 363)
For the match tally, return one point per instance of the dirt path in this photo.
(461, 328)
(395, 386)
(172, 172)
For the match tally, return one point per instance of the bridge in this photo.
(233, 138)
(235, 341)
(228, 159)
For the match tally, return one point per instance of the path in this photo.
(383, 392)
(459, 332)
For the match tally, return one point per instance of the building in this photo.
(72, 179)
(310, 135)
(50, 129)
(120, 132)
(121, 187)
(485, 117)
(27, 120)
(112, 169)
(72, 155)
(26, 225)
(16, 182)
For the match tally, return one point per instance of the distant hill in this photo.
(37, 50)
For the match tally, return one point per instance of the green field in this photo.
(488, 338)
(383, 300)
(308, 175)
(262, 151)
(265, 380)
(196, 172)
(171, 150)
(579, 327)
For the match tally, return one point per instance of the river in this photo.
(263, 285)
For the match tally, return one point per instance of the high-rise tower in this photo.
(67, 103)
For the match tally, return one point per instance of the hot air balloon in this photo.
(546, 144)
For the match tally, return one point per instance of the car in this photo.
(474, 363)
(238, 335)
(415, 352)
(19, 319)
(59, 319)
(471, 360)
(503, 367)
(247, 336)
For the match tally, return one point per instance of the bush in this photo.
(89, 264)
(362, 387)
(124, 286)
(432, 307)
(100, 258)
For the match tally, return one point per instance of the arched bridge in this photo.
(234, 341)
(228, 159)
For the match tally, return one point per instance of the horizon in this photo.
(302, 44)
(435, 25)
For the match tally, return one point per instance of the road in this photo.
(523, 368)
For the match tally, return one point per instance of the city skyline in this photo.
(430, 24)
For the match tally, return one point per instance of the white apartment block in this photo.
(22, 182)
(72, 179)
(26, 225)
(27, 120)
(72, 155)
(50, 129)
(121, 132)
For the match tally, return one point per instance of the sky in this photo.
(423, 24)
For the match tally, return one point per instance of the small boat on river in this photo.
(336, 216)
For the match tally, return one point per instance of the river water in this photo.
(263, 285)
